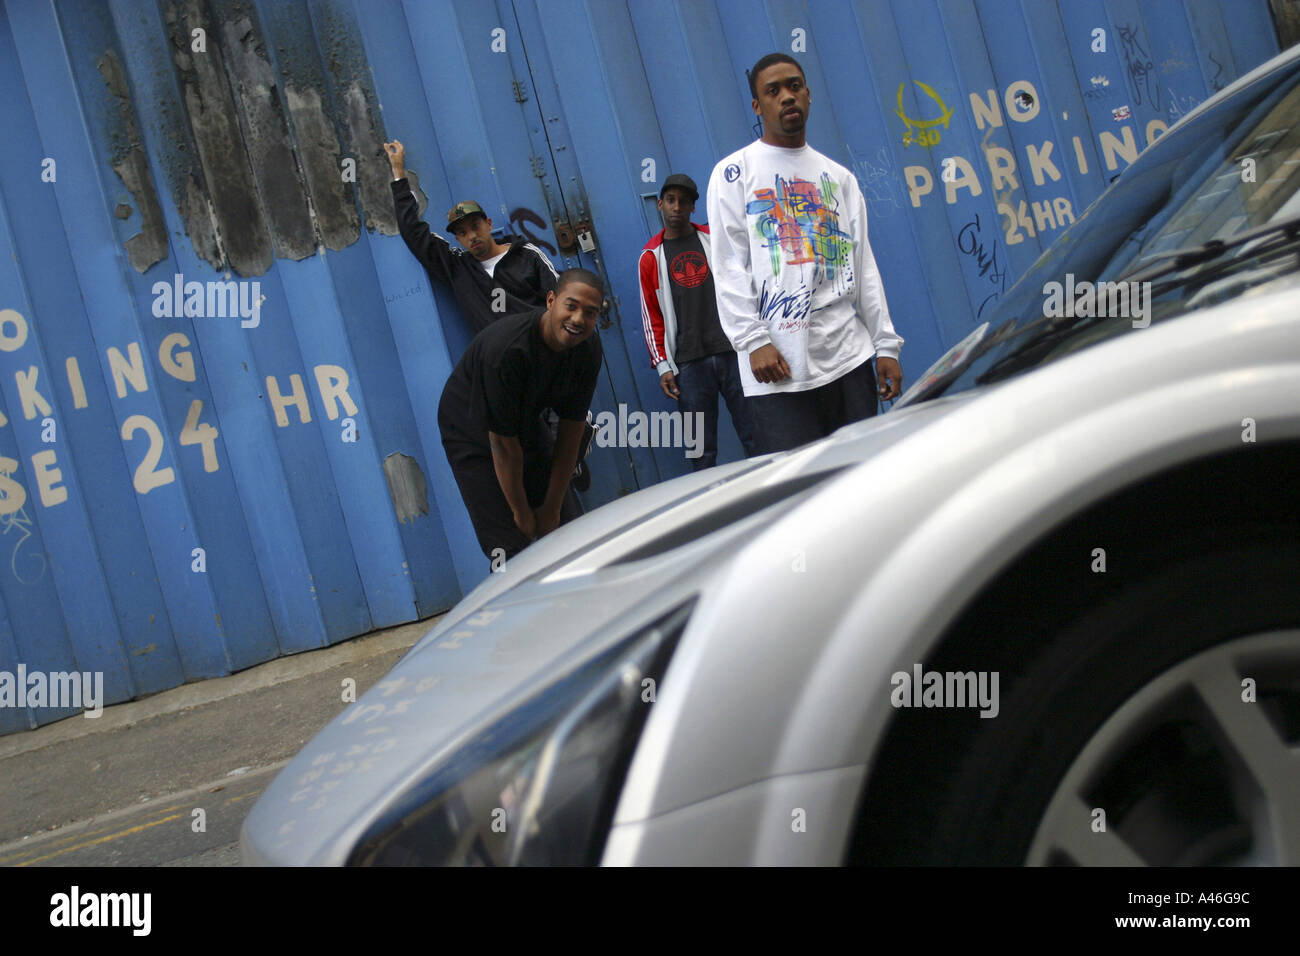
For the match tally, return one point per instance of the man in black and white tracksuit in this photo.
(490, 279)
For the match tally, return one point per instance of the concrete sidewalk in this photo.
(79, 774)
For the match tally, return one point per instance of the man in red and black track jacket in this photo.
(679, 316)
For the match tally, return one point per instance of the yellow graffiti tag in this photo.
(923, 132)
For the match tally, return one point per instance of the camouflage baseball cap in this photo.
(461, 210)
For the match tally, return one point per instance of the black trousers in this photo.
(791, 419)
(489, 512)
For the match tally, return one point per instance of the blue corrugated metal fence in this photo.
(219, 365)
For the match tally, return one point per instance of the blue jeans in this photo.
(699, 382)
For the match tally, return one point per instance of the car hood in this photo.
(556, 605)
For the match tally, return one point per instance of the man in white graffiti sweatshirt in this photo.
(798, 291)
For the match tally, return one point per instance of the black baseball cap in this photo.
(682, 181)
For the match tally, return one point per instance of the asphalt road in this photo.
(167, 781)
(198, 827)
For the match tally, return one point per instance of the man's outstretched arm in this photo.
(567, 440)
(433, 251)
(508, 462)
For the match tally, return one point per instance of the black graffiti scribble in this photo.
(970, 244)
(1141, 68)
(523, 215)
(791, 308)
(1215, 82)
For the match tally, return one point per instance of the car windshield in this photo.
(1209, 211)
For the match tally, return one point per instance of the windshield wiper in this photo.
(1046, 335)
(1269, 247)
(1175, 260)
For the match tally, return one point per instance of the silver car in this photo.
(1043, 611)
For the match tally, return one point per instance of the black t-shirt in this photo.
(698, 331)
(508, 375)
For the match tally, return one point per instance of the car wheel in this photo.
(1158, 726)
(1198, 769)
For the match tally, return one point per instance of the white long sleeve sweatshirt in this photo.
(792, 265)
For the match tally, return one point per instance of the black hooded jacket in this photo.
(524, 274)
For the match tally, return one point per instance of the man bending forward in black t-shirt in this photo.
(514, 491)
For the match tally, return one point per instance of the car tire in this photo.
(1111, 744)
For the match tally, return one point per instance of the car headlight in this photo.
(540, 785)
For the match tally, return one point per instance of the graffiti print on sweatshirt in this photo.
(785, 311)
(799, 223)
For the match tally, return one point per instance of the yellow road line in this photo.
(105, 839)
(67, 839)
(112, 836)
